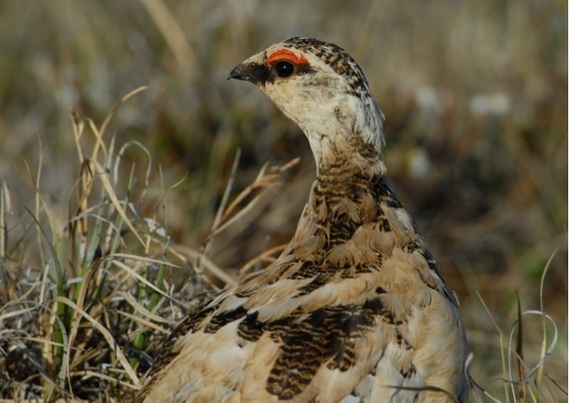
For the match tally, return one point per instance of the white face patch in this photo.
(329, 100)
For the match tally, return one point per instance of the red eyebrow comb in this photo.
(284, 54)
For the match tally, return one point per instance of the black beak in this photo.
(252, 72)
(238, 73)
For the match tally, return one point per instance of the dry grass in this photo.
(112, 231)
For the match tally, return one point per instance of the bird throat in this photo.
(352, 159)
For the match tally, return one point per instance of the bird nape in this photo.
(355, 307)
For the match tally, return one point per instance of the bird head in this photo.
(323, 90)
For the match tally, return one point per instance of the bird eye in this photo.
(284, 69)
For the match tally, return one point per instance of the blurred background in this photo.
(474, 93)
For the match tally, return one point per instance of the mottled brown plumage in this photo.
(354, 309)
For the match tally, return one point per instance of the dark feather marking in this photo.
(327, 335)
(223, 318)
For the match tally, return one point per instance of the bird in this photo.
(354, 309)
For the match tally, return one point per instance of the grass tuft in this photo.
(108, 277)
(523, 381)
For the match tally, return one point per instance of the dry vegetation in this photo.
(116, 221)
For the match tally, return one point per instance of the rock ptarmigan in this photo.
(354, 309)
